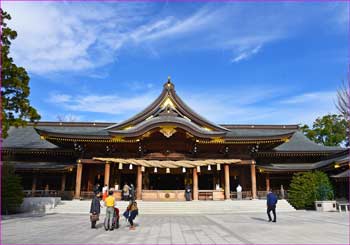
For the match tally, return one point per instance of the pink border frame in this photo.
(268, 1)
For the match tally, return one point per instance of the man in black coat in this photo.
(95, 210)
(271, 201)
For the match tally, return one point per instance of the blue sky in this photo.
(239, 63)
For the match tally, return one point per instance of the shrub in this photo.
(308, 187)
(11, 190)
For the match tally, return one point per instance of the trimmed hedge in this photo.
(11, 190)
(308, 187)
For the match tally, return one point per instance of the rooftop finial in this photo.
(169, 84)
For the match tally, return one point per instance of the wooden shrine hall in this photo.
(161, 150)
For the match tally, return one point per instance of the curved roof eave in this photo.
(164, 121)
(168, 91)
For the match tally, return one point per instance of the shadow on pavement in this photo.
(260, 219)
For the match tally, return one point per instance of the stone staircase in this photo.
(193, 207)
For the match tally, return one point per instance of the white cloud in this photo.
(72, 37)
(320, 97)
(56, 37)
(258, 105)
(246, 54)
(263, 106)
(111, 104)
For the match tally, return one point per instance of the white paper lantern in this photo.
(198, 169)
(130, 166)
(155, 170)
(168, 170)
(209, 167)
(218, 167)
(184, 170)
(120, 166)
(142, 168)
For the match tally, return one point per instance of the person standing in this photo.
(109, 211)
(132, 193)
(104, 192)
(126, 190)
(95, 210)
(239, 192)
(271, 205)
(188, 192)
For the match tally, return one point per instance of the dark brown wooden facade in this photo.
(160, 150)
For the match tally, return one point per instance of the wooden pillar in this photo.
(267, 178)
(78, 179)
(253, 177)
(139, 184)
(227, 181)
(107, 172)
(195, 184)
(63, 182)
(34, 185)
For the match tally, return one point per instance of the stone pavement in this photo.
(294, 227)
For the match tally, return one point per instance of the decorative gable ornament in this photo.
(167, 131)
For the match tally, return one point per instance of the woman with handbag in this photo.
(95, 210)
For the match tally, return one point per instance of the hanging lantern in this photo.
(184, 170)
(209, 167)
(218, 167)
(198, 169)
(168, 170)
(155, 170)
(130, 166)
(120, 166)
(142, 168)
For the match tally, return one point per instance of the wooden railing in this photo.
(260, 194)
(66, 195)
(245, 195)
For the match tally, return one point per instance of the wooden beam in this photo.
(34, 185)
(63, 182)
(267, 179)
(227, 181)
(195, 184)
(253, 177)
(78, 180)
(107, 173)
(139, 184)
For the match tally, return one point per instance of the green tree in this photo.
(328, 130)
(308, 187)
(16, 109)
(11, 190)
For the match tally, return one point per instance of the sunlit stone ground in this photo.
(292, 227)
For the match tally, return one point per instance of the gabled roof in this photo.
(299, 142)
(25, 137)
(339, 158)
(168, 104)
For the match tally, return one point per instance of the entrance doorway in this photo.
(206, 182)
(127, 178)
(167, 182)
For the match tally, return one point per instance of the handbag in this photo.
(94, 217)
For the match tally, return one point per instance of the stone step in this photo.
(194, 207)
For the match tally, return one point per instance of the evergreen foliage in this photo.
(308, 187)
(16, 109)
(11, 190)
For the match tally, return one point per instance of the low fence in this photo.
(246, 195)
(64, 195)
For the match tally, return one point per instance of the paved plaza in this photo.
(292, 227)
